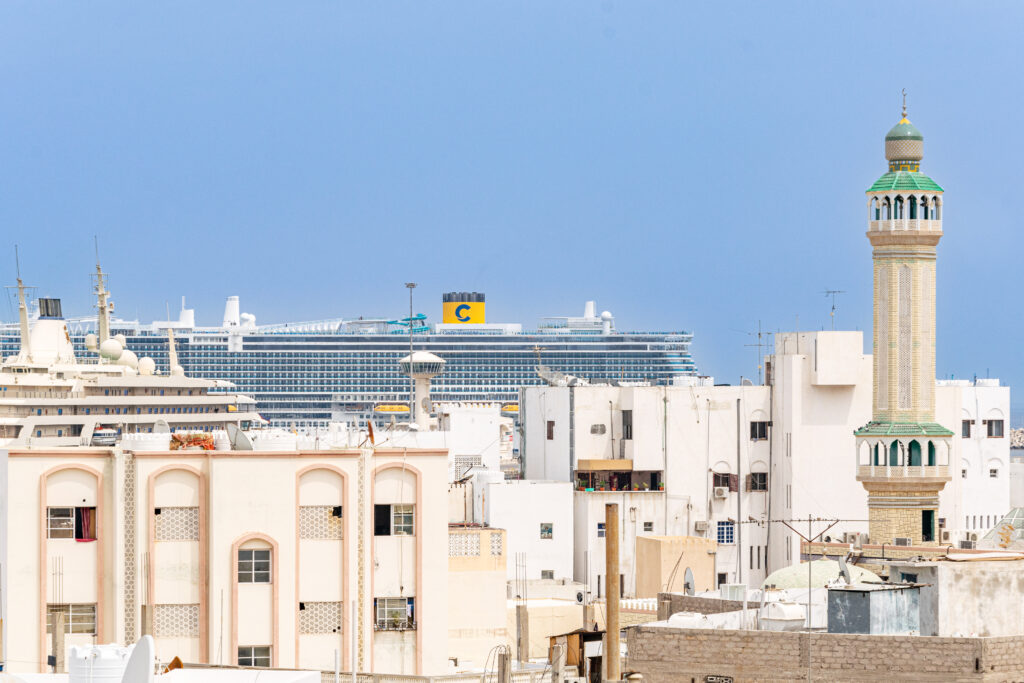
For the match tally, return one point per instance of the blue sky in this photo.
(697, 166)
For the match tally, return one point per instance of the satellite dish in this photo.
(746, 383)
(844, 571)
(579, 597)
(688, 582)
(240, 441)
(139, 668)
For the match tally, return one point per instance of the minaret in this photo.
(903, 454)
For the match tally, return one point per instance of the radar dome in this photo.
(128, 358)
(90, 341)
(147, 366)
(121, 339)
(178, 371)
(111, 349)
(606, 315)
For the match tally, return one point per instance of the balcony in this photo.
(606, 480)
(906, 473)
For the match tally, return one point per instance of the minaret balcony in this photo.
(910, 474)
(906, 225)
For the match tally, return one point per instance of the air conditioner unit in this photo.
(851, 537)
(968, 545)
(946, 536)
(700, 526)
(974, 537)
(901, 541)
(721, 492)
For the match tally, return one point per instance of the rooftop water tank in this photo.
(782, 616)
(98, 663)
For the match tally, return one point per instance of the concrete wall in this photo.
(520, 507)
(673, 603)
(662, 562)
(476, 598)
(670, 654)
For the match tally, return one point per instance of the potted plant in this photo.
(643, 486)
(661, 486)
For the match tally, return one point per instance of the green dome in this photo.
(822, 571)
(904, 130)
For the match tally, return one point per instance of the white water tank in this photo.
(689, 620)
(783, 616)
(98, 663)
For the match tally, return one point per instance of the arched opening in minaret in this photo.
(875, 210)
(886, 209)
(915, 454)
(898, 212)
(937, 209)
(894, 454)
(912, 200)
(931, 454)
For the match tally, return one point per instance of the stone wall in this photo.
(669, 654)
(671, 603)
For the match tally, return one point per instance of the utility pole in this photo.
(611, 563)
(810, 538)
(412, 382)
(833, 293)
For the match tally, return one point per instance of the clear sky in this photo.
(694, 166)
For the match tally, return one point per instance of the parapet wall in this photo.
(671, 654)
(673, 603)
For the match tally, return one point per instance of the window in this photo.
(723, 578)
(600, 529)
(547, 574)
(719, 479)
(965, 429)
(726, 531)
(995, 429)
(547, 530)
(757, 481)
(908, 578)
(394, 614)
(597, 429)
(254, 566)
(994, 473)
(78, 523)
(254, 655)
(963, 474)
(758, 431)
(77, 618)
(627, 424)
(551, 430)
(393, 520)
(648, 526)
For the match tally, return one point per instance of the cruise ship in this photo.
(52, 397)
(309, 374)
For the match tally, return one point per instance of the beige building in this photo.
(662, 562)
(247, 557)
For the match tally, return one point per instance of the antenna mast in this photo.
(760, 356)
(103, 304)
(833, 293)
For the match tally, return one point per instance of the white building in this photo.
(719, 451)
(248, 557)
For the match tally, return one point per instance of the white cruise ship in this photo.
(51, 398)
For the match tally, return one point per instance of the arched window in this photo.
(937, 209)
(912, 201)
(875, 211)
(915, 454)
(898, 213)
(887, 209)
(894, 454)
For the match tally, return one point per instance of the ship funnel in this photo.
(232, 316)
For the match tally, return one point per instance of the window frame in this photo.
(993, 473)
(648, 527)
(548, 533)
(79, 618)
(385, 609)
(990, 429)
(600, 530)
(718, 480)
(725, 532)
(551, 430)
(759, 430)
(247, 566)
(759, 481)
(252, 657)
(966, 426)
(67, 522)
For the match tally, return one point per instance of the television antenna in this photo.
(760, 334)
(833, 293)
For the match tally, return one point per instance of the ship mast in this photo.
(26, 346)
(103, 304)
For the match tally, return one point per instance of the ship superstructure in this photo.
(51, 396)
(308, 374)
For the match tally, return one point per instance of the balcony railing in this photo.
(904, 471)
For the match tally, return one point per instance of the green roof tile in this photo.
(903, 429)
(904, 180)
